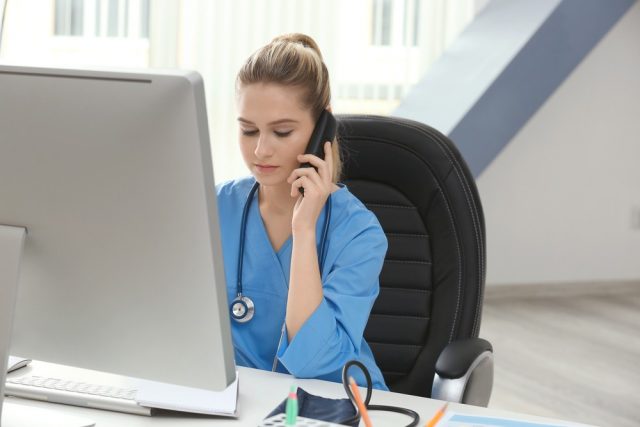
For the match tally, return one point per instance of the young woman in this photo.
(302, 271)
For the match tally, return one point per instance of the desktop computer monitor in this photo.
(110, 173)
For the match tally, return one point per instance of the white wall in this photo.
(558, 199)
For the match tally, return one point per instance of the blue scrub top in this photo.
(333, 334)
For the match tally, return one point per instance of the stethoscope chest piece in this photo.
(242, 309)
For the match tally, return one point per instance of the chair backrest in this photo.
(431, 286)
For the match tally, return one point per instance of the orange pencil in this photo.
(439, 414)
(363, 409)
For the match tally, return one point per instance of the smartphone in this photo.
(325, 130)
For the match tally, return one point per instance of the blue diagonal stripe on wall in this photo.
(568, 34)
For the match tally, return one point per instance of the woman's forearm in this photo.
(305, 284)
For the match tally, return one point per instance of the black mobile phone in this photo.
(325, 130)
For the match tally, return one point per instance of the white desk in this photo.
(260, 393)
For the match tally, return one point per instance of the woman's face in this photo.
(274, 128)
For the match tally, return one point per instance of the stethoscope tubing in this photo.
(243, 231)
(415, 418)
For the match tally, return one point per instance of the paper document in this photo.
(178, 398)
(453, 419)
(16, 363)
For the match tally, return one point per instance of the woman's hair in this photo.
(294, 60)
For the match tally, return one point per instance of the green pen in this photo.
(292, 406)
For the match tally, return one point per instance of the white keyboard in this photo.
(76, 393)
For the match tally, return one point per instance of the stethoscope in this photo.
(356, 418)
(242, 307)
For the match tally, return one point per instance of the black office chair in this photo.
(424, 325)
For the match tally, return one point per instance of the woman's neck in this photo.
(276, 199)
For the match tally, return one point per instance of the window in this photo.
(411, 22)
(102, 18)
(381, 22)
(395, 22)
(375, 55)
(69, 17)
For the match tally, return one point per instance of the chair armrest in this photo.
(464, 372)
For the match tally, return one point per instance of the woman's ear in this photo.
(329, 109)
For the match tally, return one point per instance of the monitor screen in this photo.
(110, 172)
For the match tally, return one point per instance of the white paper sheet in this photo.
(178, 398)
(15, 362)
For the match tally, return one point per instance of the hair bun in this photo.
(301, 39)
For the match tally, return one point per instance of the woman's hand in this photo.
(317, 187)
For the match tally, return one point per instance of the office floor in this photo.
(569, 356)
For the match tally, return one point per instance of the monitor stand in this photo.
(14, 415)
